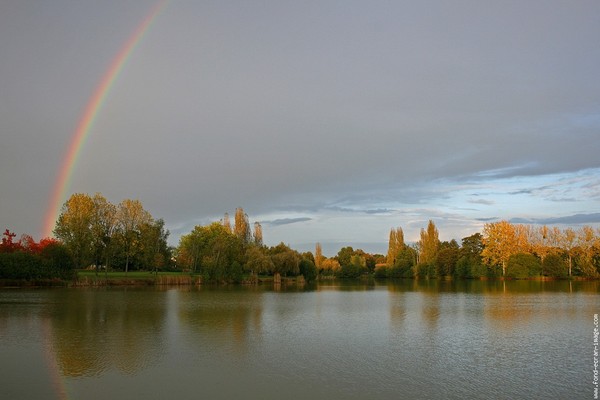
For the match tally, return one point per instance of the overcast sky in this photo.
(327, 121)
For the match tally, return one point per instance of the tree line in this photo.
(221, 252)
(502, 250)
(92, 232)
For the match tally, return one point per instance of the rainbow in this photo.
(86, 122)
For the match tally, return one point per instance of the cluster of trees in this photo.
(348, 263)
(503, 250)
(123, 236)
(24, 259)
(91, 231)
(224, 253)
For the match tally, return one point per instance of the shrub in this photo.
(308, 270)
(351, 271)
(522, 265)
(381, 271)
(555, 265)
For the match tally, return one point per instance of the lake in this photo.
(402, 340)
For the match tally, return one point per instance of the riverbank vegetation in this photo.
(96, 235)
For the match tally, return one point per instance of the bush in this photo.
(59, 261)
(555, 265)
(426, 270)
(351, 271)
(381, 271)
(308, 270)
(522, 265)
(235, 272)
(470, 266)
(25, 266)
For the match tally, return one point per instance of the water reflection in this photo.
(95, 330)
(225, 318)
(339, 340)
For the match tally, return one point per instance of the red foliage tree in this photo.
(8, 244)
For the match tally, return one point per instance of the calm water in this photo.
(413, 340)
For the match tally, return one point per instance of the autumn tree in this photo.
(131, 215)
(330, 266)
(428, 247)
(500, 241)
(74, 228)
(103, 226)
(258, 234)
(241, 226)
(588, 244)
(539, 242)
(395, 246)
(318, 256)
(227, 222)
(567, 242)
(8, 244)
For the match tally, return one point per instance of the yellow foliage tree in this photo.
(500, 242)
(429, 244)
(395, 245)
(318, 256)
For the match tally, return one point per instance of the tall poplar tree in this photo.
(258, 234)
(318, 256)
(395, 246)
(241, 227)
(429, 244)
(227, 223)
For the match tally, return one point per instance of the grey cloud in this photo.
(576, 219)
(482, 201)
(286, 221)
(297, 109)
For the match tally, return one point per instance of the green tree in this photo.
(257, 262)
(523, 265)
(344, 255)
(469, 263)
(554, 265)
(354, 269)
(103, 225)
(447, 258)
(285, 260)
(308, 269)
(154, 249)
(59, 260)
